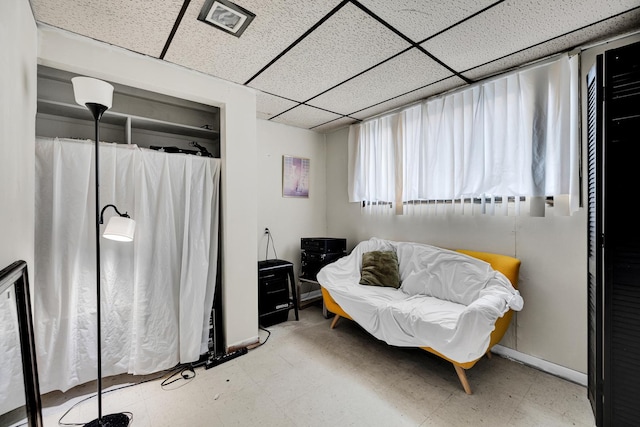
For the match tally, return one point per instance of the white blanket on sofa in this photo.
(447, 300)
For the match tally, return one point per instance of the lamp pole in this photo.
(86, 90)
(97, 110)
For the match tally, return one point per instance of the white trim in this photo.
(543, 365)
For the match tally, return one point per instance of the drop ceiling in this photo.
(323, 64)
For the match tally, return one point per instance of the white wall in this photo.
(66, 51)
(552, 325)
(18, 44)
(289, 219)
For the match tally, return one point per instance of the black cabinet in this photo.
(276, 291)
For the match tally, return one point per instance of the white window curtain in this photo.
(375, 167)
(512, 137)
(157, 292)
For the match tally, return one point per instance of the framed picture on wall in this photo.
(295, 176)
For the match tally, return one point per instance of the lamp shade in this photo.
(90, 90)
(120, 228)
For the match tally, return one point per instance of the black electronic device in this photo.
(213, 360)
(316, 252)
(312, 262)
(324, 245)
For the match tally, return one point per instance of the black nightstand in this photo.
(276, 281)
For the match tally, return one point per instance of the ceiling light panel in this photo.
(404, 73)
(349, 42)
(418, 19)
(277, 24)
(139, 26)
(621, 24)
(268, 105)
(408, 98)
(305, 116)
(515, 25)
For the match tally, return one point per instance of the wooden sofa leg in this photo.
(463, 379)
(489, 355)
(335, 321)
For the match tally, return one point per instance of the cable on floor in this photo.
(254, 346)
(181, 369)
(186, 373)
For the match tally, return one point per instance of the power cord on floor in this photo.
(186, 372)
(254, 346)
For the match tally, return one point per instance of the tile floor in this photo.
(309, 375)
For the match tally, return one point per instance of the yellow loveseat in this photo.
(507, 265)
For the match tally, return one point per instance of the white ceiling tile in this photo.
(268, 105)
(623, 23)
(277, 24)
(419, 19)
(346, 44)
(408, 98)
(139, 26)
(334, 125)
(515, 25)
(404, 73)
(305, 117)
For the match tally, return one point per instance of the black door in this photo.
(595, 250)
(614, 241)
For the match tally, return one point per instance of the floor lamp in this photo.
(97, 95)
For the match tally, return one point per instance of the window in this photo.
(513, 138)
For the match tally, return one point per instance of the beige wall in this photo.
(81, 55)
(289, 219)
(18, 43)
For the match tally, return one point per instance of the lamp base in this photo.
(111, 420)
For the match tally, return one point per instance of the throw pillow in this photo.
(380, 268)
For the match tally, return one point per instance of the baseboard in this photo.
(543, 365)
(243, 344)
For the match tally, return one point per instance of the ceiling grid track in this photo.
(413, 45)
(299, 39)
(340, 84)
(408, 40)
(464, 71)
(176, 24)
(473, 15)
(553, 38)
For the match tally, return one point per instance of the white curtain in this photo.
(156, 292)
(513, 136)
(372, 178)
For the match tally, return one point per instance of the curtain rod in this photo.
(610, 40)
